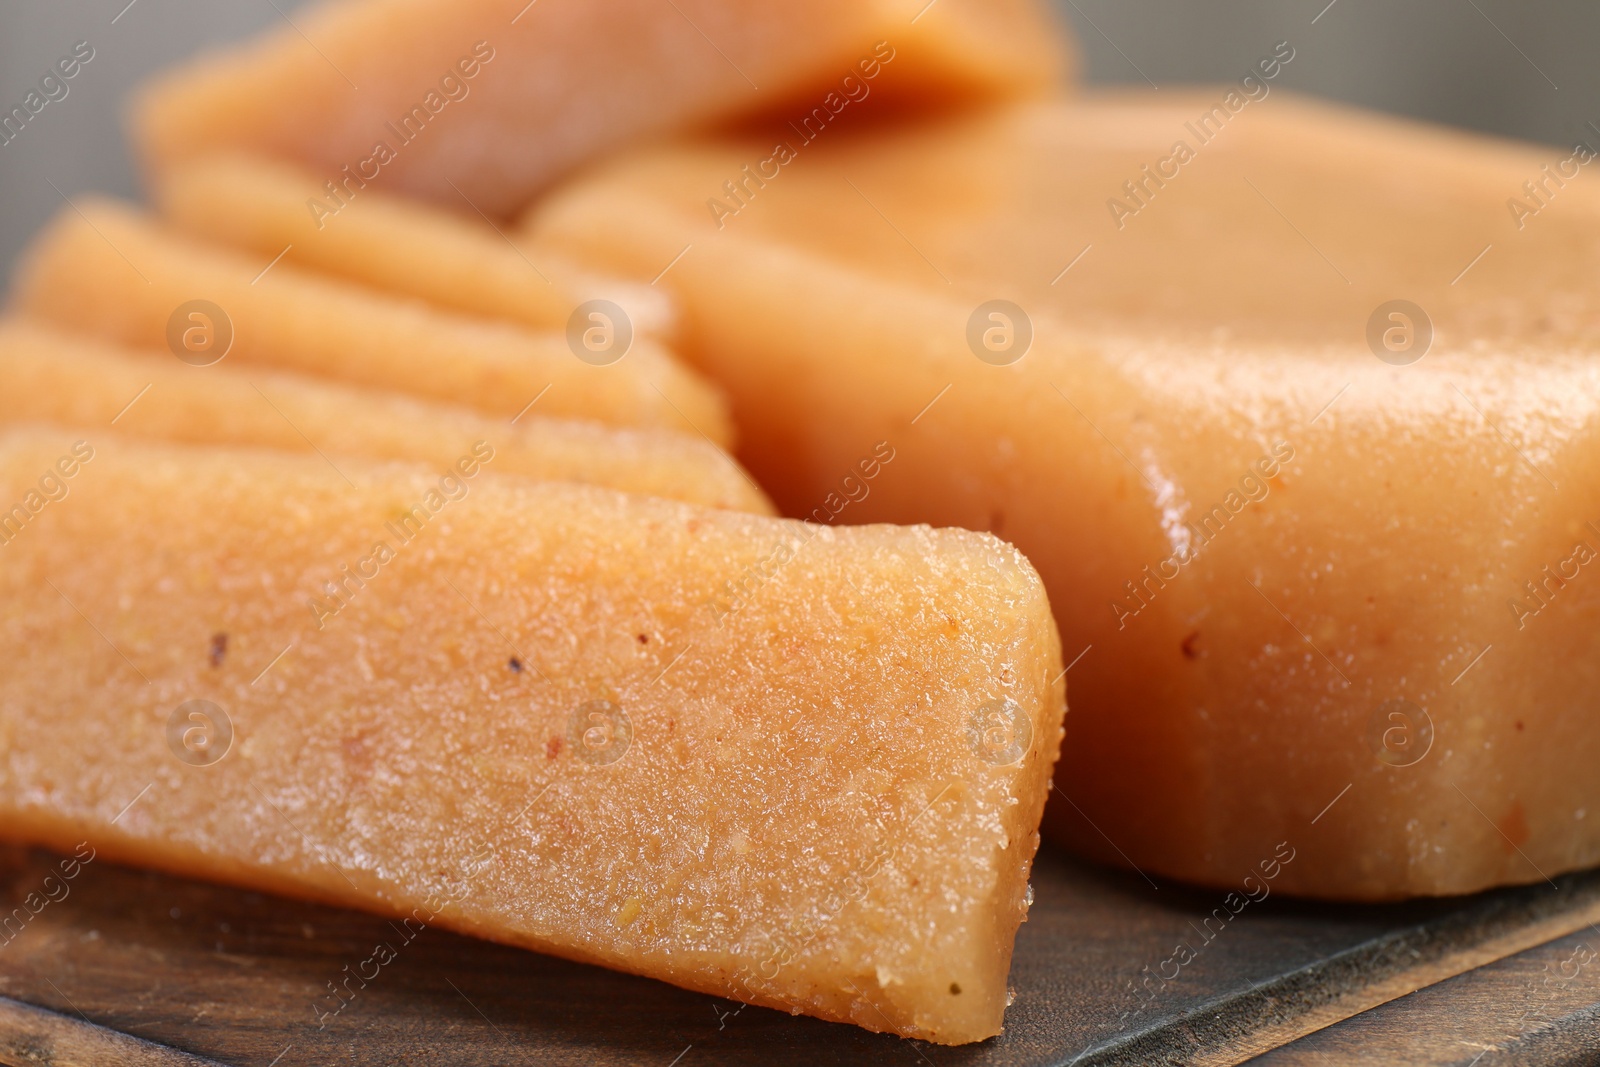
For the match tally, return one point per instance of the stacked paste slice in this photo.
(532, 719)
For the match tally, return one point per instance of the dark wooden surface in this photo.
(232, 977)
(1538, 1008)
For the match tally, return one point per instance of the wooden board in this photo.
(193, 970)
(1538, 1008)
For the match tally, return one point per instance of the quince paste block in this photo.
(47, 375)
(530, 711)
(1293, 220)
(488, 100)
(396, 244)
(1292, 559)
(104, 268)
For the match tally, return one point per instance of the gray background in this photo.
(1522, 68)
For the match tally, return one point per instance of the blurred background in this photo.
(1518, 68)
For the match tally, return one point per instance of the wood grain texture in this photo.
(31, 1036)
(1538, 1008)
(235, 976)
